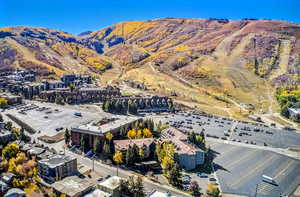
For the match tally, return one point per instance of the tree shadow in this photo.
(219, 167)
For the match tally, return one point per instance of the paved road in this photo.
(105, 170)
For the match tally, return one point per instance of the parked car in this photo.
(186, 187)
(89, 153)
(77, 114)
(59, 128)
(186, 180)
(100, 179)
(202, 175)
(212, 179)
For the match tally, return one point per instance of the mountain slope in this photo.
(47, 51)
(203, 61)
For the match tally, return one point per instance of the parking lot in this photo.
(262, 135)
(240, 169)
(228, 129)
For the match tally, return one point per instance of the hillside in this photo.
(213, 63)
(47, 51)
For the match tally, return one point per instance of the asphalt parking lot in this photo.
(239, 171)
(211, 125)
(245, 132)
(260, 134)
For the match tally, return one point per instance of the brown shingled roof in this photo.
(124, 144)
(179, 139)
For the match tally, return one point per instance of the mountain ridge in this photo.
(218, 59)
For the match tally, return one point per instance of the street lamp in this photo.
(93, 162)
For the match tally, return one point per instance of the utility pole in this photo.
(93, 162)
(118, 170)
(256, 190)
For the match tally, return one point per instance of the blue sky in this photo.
(77, 16)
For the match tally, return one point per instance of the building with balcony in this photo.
(57, 167)
(189, 156)
(98, 129)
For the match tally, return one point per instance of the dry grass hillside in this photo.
(215, 64)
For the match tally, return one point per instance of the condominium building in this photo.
(57, 167)
(189, 156)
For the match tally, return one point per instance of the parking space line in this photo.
(265, 188)
(234, 153)
(283, 170)
(223, 153)
(216, 145)
(287, 168)
(244, 156)
(277, 174)
(241, 180)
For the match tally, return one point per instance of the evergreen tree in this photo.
(1, 118)
(175, 176)
(106, 107)
(67, 137)
(151, 127)
(117, 107)
(129, 156)
(106, 149)
(82, 143)
(132, 108)
(192, 138)
(111, 107)
(202, 135)
(22, 134)
(103, 106)
(159, 126)
(96, 146)
(8, 125)
(135, 152)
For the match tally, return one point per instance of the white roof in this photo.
(14, 192)
(295, 110)
(160, 194)
(108, 126)
(111, 183)
(97, 193)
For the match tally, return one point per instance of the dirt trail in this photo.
(285, 49)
